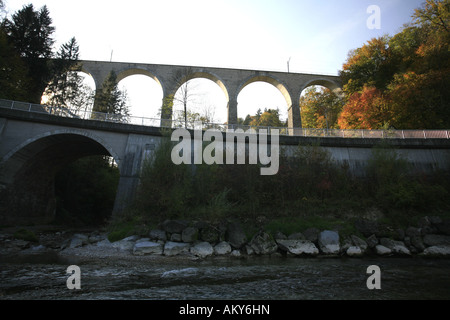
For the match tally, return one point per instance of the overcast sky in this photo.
(316, 35)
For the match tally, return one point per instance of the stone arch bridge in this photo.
(231, 81)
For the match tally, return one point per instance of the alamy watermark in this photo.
(191, 151)
(74, 280)
(374, 281)
(374, 21)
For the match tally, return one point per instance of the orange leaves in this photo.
(367, 109)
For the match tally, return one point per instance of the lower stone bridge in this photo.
(35, 146)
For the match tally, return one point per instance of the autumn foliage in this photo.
(401, 81)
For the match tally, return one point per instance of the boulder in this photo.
(124, 245)
(280, 235)
(263, 243)
(174, 226)
(436, 240)
(147, 247)
(235, 235)
(354, 251)
(417, 243)
(78, 240)
(104, 244)
(372, 241)
(412, 232)
(235, 253)
(202, 249)
(222, 248)
(158, 234)
(382, 250)
(175, 237)
(189, 235)
(367, 227)
(358, 242)
(311, 234)
(395, 246)
(175, 248)
(209, 234)
(297, 236)
(329, 242)
(437, 251)
(298, 247)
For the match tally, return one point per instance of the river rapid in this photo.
(43, 276)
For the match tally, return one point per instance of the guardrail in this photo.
(163, 123)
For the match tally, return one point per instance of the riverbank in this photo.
(185, 240)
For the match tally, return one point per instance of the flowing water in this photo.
(44, 277)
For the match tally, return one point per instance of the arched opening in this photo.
(260, 94)
(79, 102)
(320, 105)
(205, 98)
(35, 172)
(145, 95)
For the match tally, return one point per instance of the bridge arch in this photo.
(137, 71)
(29, 171)
(203, 75)
(271, 80)
(329, 84)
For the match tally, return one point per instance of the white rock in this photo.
(400, 249)
(222, 248)
(202, 249)
(329, 242)
(354, 251)
(235, 253)
(382, 250)
(437, 251)
(175, 248)
(298, 247)
(147, 247)
(124, 245)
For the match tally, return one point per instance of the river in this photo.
(43, 276)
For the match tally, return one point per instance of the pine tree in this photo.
(66, 88)
(112, 100)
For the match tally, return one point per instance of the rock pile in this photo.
(430, 238)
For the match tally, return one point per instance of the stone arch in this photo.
(330, 84)
(30, 170)
(271, 80)
(138, 71)
(204, 75)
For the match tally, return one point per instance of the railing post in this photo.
(424, 135)
(12, 104)
(447, 133)
(403, 134)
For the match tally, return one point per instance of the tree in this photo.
(66, 88)
(409, 70)
(14, 79)
(30, 32)
(369, 65)
(110, 99)
(320, 108)
(268, 118)
(368, 109)
(181, 80)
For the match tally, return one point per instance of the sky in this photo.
(314, 35)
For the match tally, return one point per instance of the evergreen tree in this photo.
(111, 99)
(30, 32)
(66, 88)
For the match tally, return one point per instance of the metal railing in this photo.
(163, 123)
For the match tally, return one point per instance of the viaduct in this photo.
(34, 146)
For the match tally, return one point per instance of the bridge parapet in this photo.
(173, 124)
